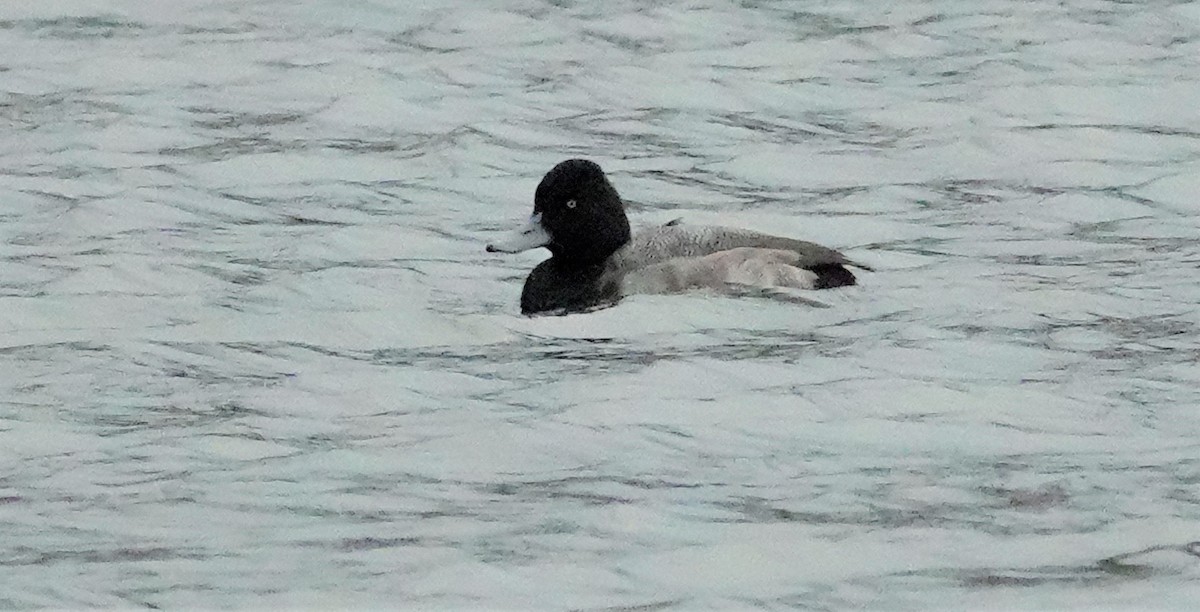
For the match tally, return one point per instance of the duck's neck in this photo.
(595, 255)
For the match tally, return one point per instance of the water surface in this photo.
(253, 354)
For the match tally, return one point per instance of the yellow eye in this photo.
(570, 203)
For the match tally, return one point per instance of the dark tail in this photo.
(831, 275)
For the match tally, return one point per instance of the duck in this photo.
(595, 259)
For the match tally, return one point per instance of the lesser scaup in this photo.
(595, 260)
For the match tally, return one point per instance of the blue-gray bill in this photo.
(529, 236)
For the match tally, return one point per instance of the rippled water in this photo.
(252, 351)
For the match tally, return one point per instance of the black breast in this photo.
(555, 289)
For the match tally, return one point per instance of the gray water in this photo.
(253, 353)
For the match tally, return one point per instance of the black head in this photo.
(582, 212)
